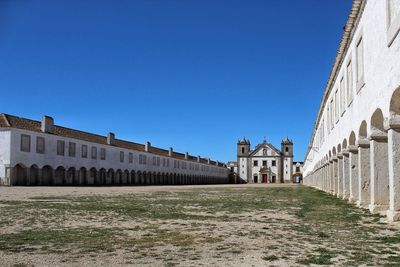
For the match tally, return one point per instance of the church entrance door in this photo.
(255, 179)
(274, 179)
(265, 178)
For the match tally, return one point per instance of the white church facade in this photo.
(265, 163)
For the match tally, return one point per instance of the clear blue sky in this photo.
(192, 74)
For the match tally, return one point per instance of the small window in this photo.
(264, 163)
(154, 161)
(274, 163)
(40, 147)
(349, 83)
(242, 150)
(158, 161)
(102, 153)
(287, 149)
(360, 64)
(255, 163)
(25, 143)
(71, 149)
(84, 151)
(297, 169)
(130, 156)
(60, 148)
(94, 152)
(121, 156)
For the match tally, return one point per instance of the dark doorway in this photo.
(273, 179)
(265, 178)
(255, 179)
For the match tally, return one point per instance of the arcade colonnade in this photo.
(365, 167)
(60, 176)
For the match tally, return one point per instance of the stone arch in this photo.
(93, 176)
(102, 176)
(125, 177)
(20, 175)
(71, 176)
(394, 107)
(59, 176)
(144, 178)
(139, 177)
(352, 139)
(334, 151)
(363, 131)
(377, 121)
(154, 178)
(118, 177)
(344, 144)
(339, 148)
(34, 175)
(330, 153)
(47, 175)
(132, 178)
(110, 177)
(83, 176)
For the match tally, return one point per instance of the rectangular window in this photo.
(360, 64)
(393, 20)
(349, 83)
(102, 153)
(154, 161)
(168, 163)
(71, 149)
(158, 161)
(121, 156)
(255, 163)
(142, 159)
(264, 163)
(40, 146)
(332, 116)
(274, 163)
(130, 157)
(342, 97)
(84, 151)
(60, 148)
(336, 106)
(25, 143)
(94, 152)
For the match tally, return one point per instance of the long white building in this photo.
(354, 151)
(41, 153)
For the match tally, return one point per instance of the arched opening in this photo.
(59, 176)
(83, 176)
(71, 176)
(20, 175)
(364, 174)
(133, 178)
(47, 175)
(344, 144)
(139, 178)
(102, 176)
(126, 177)
(110, 177)
(93, 176)
(395, 103)
(34, 175)
(379, 164)
(118, 178)
(363, 132)
(352, 139)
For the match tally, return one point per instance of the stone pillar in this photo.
(335, 175)
(346, 175)
(379, 172)
(353, 166)
(393, 128)
(364, 175)
(339, 192)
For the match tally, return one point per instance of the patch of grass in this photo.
(322, 258)
(389, 239)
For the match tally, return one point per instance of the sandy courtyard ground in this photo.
(223, 225)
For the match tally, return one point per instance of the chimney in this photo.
(111, 139)
(47, 124)
(170, 151)
(217, 163)
(147, 146)
(208, 160)
(186, 155)
(198, 158)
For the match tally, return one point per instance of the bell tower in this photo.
(243, 148)
(287, 162)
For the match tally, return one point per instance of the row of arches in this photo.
(60, 176)
(365, 167)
